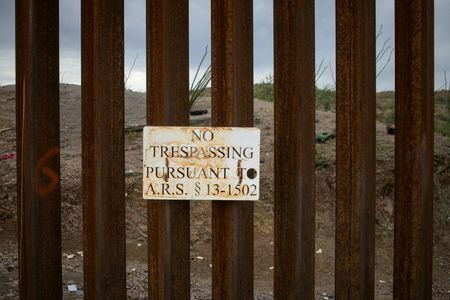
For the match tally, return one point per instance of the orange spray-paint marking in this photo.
(41, 189)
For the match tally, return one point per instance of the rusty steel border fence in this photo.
(38, 144)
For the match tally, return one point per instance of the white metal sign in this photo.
(201, 163)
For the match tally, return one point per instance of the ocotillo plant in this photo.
(198, 87)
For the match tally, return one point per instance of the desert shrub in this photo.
(383, 149)
(385, 100)
(442, 127)
(264, 89)
(326, 98)
(385, 105)
(321, 161)
(387, 116)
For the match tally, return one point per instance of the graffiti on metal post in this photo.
(46, 186)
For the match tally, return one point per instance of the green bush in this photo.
(442, 127)
(387, 116)
(321, 161)
(264, 89)
(326, 98)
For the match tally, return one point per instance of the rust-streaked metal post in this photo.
(414, 116)
(294, 149)
(167, 104)
(355, 149)
(103, 149)
(38, 167)
(232, 105)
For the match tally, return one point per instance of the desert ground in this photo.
(136, 207)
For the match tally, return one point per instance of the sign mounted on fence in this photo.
(201, 163)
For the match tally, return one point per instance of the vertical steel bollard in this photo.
(414, 120)
(103, 149)
(232, 105)
(167, 104)
(38, 167)
(294, 149)
(355, 149)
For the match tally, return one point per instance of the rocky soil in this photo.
(136, 208)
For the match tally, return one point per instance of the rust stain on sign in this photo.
(201, 163)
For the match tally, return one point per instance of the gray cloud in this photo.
(200, 37)
(7, 41)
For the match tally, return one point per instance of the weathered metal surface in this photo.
(167, 104)
(414, 113)
(201, 163)
(103, 149)
(355, 149)
(38, 167)
(232, 105)
(294, 149)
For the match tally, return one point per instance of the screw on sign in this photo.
(46, 178)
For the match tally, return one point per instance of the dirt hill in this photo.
(200, 211)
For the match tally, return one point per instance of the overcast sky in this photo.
(200, 37)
